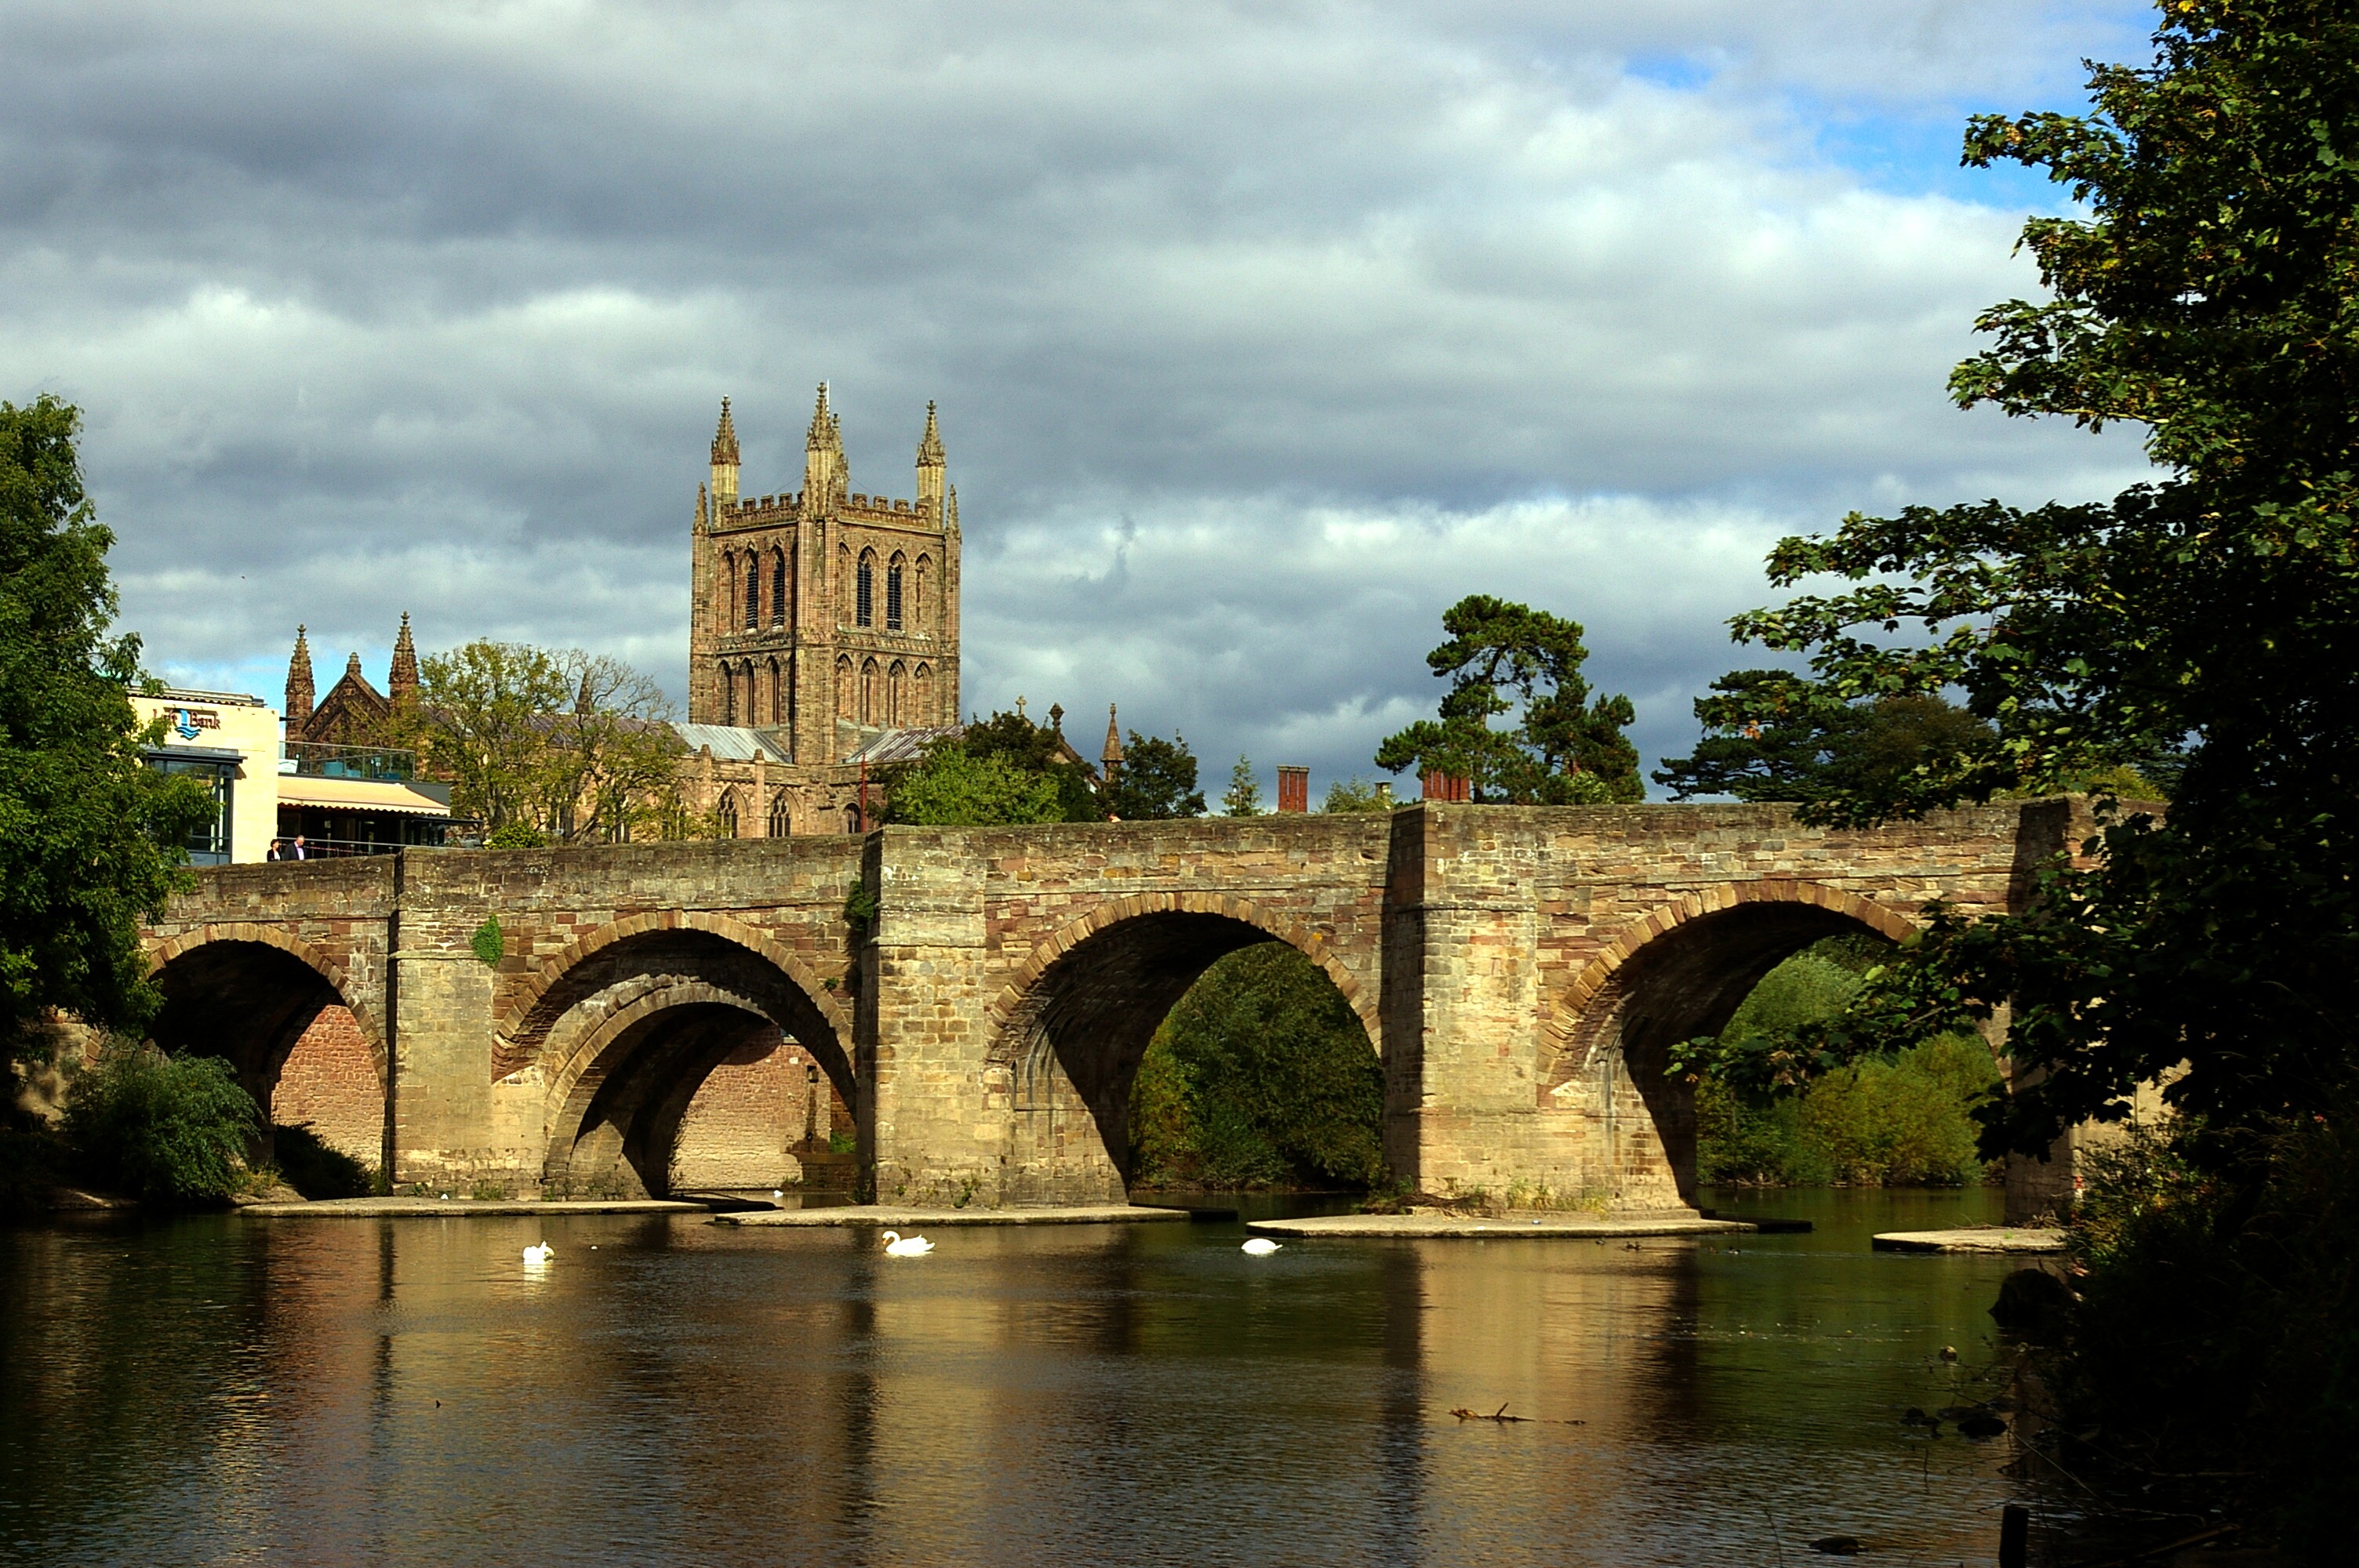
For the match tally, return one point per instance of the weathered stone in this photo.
(1521, 972)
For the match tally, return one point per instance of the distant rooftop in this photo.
(214, 698)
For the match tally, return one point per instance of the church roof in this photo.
(730, 742)
(903, 745)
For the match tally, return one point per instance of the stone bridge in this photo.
(980, 998)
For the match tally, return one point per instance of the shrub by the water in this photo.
(168, 1129)
(2216, 1337)
(1261, 1076)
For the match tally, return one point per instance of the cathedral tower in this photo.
(824, 617)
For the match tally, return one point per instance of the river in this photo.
(212, 1390)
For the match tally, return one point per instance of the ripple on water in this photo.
(214, 1390)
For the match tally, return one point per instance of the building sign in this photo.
(190, 721)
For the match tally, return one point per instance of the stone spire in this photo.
(401, 681)
(929, 465)
(352, 667)
(724, 440)
(824, 472)
(1110, 760)
(299, 683)
(724, 462)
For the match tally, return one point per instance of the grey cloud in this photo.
(427, 308)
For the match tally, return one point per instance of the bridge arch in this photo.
(1679, 973)
(625, 1024)
(1071, 1024)
(248, 993)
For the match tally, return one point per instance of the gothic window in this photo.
(753, 592)
(843, 688)
(778, 694)
(844, 583)
(779, 825)
(728, 695)
(727, 811)
(778, 587)
(893, 595)
(864, 613)
(852, 819)
(918, 590)
(923, 712)
(729, 589)
(868, 692)
(895, 682)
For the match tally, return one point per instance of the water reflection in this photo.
(669, 1392)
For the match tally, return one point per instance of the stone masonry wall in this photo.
(329, 1083)
(1516, 967)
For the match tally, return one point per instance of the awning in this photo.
(357, 794)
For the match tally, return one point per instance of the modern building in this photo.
(229, 742)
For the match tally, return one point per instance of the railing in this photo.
(339, 849)
(317, 759)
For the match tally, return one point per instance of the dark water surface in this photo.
(217, 1389)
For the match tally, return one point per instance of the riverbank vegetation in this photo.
(1903, 1122)
(1262, 1076)
(90, 835)
(2202, 286)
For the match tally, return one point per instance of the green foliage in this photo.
(1157, 782)
(1356, 795)
(2205, 290)
(317, 1170)
(1903, 1122)
(1037, 749)
(487, 941)
(89, 833)
(548, 746)
(168, 1129)
(1243, 797)
(1262, 1076)
(1505, 659)
(1767, 738)
(2202, 283)
(953, 787)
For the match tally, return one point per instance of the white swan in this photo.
(1260, 1247)
(538, 1253)
(915, 1247)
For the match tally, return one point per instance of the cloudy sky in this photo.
(1261, 333)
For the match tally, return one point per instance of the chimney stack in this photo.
(1293, 789)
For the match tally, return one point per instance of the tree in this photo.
(90, 836)
(953, 787)
(1355, 794)
(2215, 612)
(1505, 659)
(1243, 797)
(1261, 1075)
(1037, 749)
(2204, 289)
(1157, 782)
(613, 758)
(1810, 748)
(545, 745)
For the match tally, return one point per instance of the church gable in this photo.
(353, 713)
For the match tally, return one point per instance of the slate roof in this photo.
(731, 743)
(902, 745)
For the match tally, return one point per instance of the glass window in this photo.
(209, 843)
